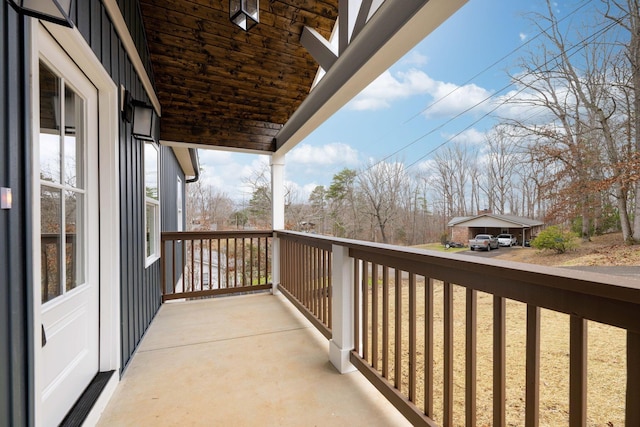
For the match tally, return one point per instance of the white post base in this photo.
(340, 358)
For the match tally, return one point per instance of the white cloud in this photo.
(522, 36)
(325, 155)
(448, 98)
(451, 99)
(387, 88)
(469, 136)
(227, 171)
(415, 58)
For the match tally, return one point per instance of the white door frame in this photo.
(108, 153)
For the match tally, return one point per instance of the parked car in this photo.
(507, 240)
(484, 241)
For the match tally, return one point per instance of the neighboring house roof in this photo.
(494, 220)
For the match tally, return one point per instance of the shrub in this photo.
(555, 239)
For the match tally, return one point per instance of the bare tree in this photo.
(501, 162)
(626, 13)
(381, 185)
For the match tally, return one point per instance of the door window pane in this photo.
(51, 232)
(73, 152)
(74, 245)
(49, 125)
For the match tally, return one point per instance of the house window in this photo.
(179, 206)
(152, 202)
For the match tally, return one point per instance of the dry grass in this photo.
(605, 250)
(606, 353)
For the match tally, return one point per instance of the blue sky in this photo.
(389, 114)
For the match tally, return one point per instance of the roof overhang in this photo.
(494, 221)
(395, 28)
(222, 88)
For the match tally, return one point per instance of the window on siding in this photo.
(179, 205)
(152, 202)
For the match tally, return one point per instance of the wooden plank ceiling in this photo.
(221, 86)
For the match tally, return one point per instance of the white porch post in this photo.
(277, 215)
(341, 344)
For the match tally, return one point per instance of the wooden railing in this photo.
(199, 264)
(305, 278)
(453, 339)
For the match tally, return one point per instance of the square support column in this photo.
(277, 215)
(341, 344)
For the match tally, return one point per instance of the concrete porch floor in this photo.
(240, 361)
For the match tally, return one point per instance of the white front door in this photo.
(67, 231)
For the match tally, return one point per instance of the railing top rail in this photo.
(450, 267)
(194, 235)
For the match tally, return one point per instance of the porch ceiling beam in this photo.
(361, 20)
(318, 47)
(395, 28)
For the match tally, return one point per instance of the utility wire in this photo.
(576, 48)
(471, 79)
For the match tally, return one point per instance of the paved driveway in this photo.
(631, 271)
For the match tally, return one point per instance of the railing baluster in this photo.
(447, 417)
(357, 307)
(226, 249)
(316, 282)
(201, 266)
(324, 285)
(330, 290)
(365, 311)
(210, 261)
(499, 362)
(428, 347)
(471, 345)
(374, 315)
(632, 416)
(397, 371)
(219, 277)
(193, 271)
(412, 337)
(578, 372)
(532, 395)
(244, 265)
(385, 322)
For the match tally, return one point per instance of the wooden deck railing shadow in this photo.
(200, 264)
(393, 342)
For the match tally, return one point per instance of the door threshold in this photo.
(90, 395)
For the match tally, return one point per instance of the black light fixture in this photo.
(57, 11)
(244, 13)
(140, 114)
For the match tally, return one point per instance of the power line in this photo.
(576, 47)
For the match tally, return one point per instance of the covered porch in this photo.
(243, 360)
(446, 339)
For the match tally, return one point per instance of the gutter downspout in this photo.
(193, 153)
